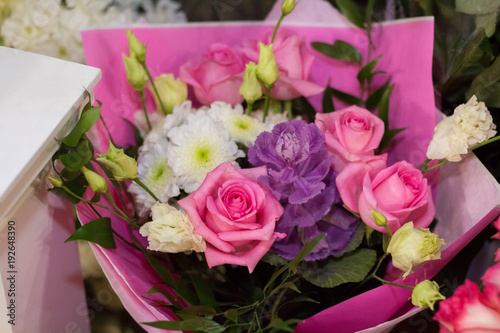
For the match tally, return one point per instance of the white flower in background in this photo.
(47, 27)
(154, 171)
(161, 11)
(470, 124)
(171, 231)
(241, 127)
(178, 116)
(197, 147)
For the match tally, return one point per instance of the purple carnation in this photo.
(300, 175)
(339, 226)
(299, 171)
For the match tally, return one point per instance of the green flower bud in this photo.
(380, 219)
(97, 183)
(267, 69)
(122, 167)
(136, 75)
(410, 247)
(172, 92)
(251, 89)
(57, 182)
(137, 49)
(287, 7)
(425, 294)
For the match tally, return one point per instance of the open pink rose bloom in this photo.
(406, 49)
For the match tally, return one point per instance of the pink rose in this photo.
(294, 60)
(470, 310)
(352, 134)
(492, 277)
(399, 192)
(235, 214)
(217, 76)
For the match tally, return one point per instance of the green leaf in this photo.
(351, 267)
(328, 100)
(339, 50)
(279, 325)
(388, 136)
(345, 97)
(170, 298)
(301, 106)
(64, 195)
(192, 324)
(485, 85)
(304, 251)
(488, 22)
(200, 310)
(97, 231)
(373, 100)
(86, 121)
(231, 314)
(203, 290)
(274, 260)
(159, 268)
(366, 73)
(356, 239)
(383, 108)
(352, 11)
(477, 7)
(78, 156)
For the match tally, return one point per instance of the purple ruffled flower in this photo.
(301, 176)
(339, 226)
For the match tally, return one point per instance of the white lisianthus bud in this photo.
(287, 7)
(469, 125)
(122, 166)
(172, 92)
(410, 247)
(267, 69)
(425, 294)
(250, 89)
(171, 231)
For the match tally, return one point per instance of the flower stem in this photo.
(154, 88)
(424, 165)
(493, 139)
(123, 215)
(107, 130)
(249, 108)
(276, 28)
(266, 104)
(288, 108)
(143, 100)
(87, 201)
(442, 162)
(392, 283)
(145, 188)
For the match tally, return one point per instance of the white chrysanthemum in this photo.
(469, 125)
(156, 120)
(241, 127)
(171, 231)
(272, 119)
(179, 116)
(162, 11)
(154, 171)
(197, 147)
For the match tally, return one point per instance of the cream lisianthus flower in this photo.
(411, 247)
(171, 231)
(470, 124)
(172, 92)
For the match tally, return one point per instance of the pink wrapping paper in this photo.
(406, 47)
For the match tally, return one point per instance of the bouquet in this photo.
(213, 215)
